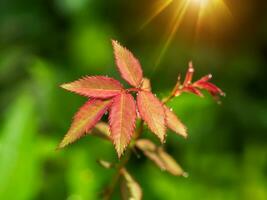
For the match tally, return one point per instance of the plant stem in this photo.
(110, 189)
(167, 99)
(174, 90)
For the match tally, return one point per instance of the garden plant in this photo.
(130, 109)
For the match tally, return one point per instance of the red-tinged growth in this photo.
(146, 85)
(152, 112)
(122, 121)
(194, 87)
(174, 123)
(189, 74)
(95, 87)
(85, 119)
(129, 67)
(108, 94)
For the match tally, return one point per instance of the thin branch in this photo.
(110, 189)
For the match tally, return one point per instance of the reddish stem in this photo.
(133, 90)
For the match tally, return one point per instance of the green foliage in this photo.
(20, 162)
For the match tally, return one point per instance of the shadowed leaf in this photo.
(105, 164)
(171, 165)
(152, 112)
(150, 150)
(95, 86)
(163, 160)
(102, 130)
(130, 189)
(88, 115)
(129, 67)
(122, 121)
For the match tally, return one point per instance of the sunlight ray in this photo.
(179, 15)
(207, 13)
(199, 19)
(162, 5)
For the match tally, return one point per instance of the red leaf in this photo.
(204, 79)
(174, 123)
(193, 90)
(88, 115)
(211, 88)
(95, 86)
(122, 121)
(189, 74)
(129, 67)
(152, 112)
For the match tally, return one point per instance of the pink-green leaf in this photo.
(88, 115)
(152, 112)
(174, 123)
(129, 67)
(122, 120)
(130, 189)
(95, 87)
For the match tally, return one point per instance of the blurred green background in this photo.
(44, 43)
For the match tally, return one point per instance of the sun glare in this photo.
(207, 11)
(200, 1)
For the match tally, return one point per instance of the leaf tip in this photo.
(120, 150)
(115, 43)
(65, 142)
(64, 86)
(162, 138)
(190, 65)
